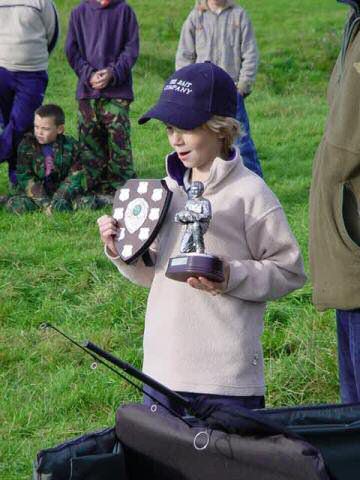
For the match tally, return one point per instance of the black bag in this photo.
(333, 429)
(161, 446)
(95, 456)
(219, 443)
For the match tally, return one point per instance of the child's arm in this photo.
(27, 182)
(277, 268)
(186, 51)
(137, 273)
(51, 22)
(249, 57)
(80, 66)
(24, 167)
(121, 68)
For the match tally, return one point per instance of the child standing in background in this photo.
(102, 46)
(220, 31)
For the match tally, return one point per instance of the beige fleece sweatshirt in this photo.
(196, 342)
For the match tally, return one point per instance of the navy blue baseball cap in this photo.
(192, 95)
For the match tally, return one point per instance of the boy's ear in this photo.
(60, 129)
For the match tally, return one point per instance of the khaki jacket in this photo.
(226, 39)
(335, 191)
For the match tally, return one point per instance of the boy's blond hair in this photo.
(228, 129)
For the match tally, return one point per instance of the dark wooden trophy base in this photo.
(195, 265)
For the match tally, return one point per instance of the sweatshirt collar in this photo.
(219, 169)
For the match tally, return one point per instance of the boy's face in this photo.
(216, 3)
(195, 148)
(46, 130)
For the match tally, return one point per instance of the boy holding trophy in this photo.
(202, 337)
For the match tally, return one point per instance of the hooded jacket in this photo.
(29, 30)
(100, 37)
(226, 39)
(196, 342)
(335, 190)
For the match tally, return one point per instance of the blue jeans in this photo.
(348, 332)
(206, 400)
(245, 142)
(21, 93)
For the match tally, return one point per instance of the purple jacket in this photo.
(101, 37)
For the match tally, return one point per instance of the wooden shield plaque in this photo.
(139, 207)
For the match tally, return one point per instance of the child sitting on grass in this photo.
(50, 174)
(202, 338)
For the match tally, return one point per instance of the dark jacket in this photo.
(101, 37)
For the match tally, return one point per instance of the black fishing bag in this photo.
(333, 429)
(94, 456)
(215, 443)
(151, 443)
(160, 446)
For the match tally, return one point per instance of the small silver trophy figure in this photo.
(196, 216)
(195, 262)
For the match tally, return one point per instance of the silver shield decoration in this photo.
(135, 214)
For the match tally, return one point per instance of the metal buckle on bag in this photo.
(201, 440)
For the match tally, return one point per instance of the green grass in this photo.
(53, 269)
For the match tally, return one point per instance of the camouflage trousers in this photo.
(24, 204)
(104, 130)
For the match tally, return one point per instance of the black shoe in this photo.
(106, 199)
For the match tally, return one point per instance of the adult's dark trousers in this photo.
(21, 93)
(348, 332)
(205, 399)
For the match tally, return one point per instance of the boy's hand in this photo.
(214, 288)
(108, 228)
(94, 79)
(101, 78)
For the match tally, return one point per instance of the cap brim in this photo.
(176, 115)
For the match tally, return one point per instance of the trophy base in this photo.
(188, 265)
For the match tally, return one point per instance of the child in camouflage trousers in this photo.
(49, 168)
(102, 51)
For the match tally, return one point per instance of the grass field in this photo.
(53, 269)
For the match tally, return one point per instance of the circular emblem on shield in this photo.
(139, 207)
(135, 214)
